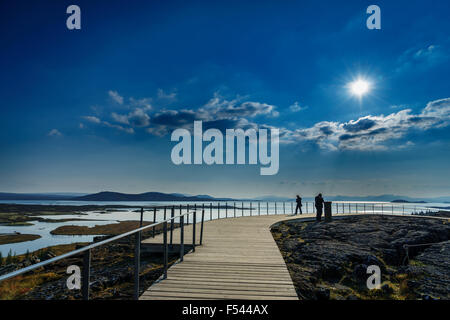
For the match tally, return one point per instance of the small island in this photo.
(406, 201)
(17, 237)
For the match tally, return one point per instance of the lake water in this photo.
(211, 211)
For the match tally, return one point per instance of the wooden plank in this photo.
(239, 259)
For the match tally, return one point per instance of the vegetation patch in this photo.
(18, 237)
(107, 229)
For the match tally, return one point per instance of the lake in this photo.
(211, 211)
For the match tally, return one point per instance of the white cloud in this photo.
(218, 107)
(143, 103)
(296, 107)
(166, 96)
(96, 120)
(120, 118)
(92, 119)
(137, 118)
(115, 96)
(372, 132)
(54, 133)
(118, 127)
(421, 58)
(216, 113)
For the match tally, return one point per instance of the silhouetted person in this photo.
(299, 204)
(319, 206)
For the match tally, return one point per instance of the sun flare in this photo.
(359, 87)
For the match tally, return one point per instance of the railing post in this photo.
(154, 221)
(276, 207)
(284, 207)
(137, 262)
(267, 208)
(226, 209)
(86, 274)
(210, 210)
(165, 214)
(234, 209)
(166, 249)
(292, 208)
(259, 208)
(187, 216)
(403, 213)
(181, 238)
(251, 209)
(201, 227)
(364, 208)
(172, 214)
(218, 209)
(142, 217)
(193, 230)
(307, 210)
(242, 209)
(392, 209)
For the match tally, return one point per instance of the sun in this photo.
(359, 87)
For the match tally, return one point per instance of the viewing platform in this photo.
(238, 259)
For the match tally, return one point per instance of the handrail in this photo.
(88, 247)
(370, 208)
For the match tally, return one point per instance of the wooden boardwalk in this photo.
(239, 259)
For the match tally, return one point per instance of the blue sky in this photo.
(92, 109)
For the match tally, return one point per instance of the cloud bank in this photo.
(368, 133)
(372, 132)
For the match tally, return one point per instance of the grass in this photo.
(18, 286)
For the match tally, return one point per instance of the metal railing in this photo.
(86, 251)
(230, 209)
(217, 210)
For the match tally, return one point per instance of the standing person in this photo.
(319, 206)
(299, 205)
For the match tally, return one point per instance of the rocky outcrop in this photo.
(330, 260)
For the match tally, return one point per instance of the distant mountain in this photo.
(406, 201)
(38, 196)
(180, 194)
(385, 198)
(205, 196)
(273, 198)
(380, 198)
(147, 196)
(159, 196)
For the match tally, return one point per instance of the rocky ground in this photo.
(440, 213)
(330, 260)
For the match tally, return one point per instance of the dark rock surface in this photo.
(330, 260)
